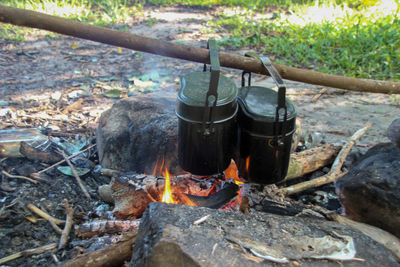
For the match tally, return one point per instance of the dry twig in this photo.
(335, 172)
(62, 161)
(55, 227)
(28, 252)
(19, 177)
(202, 219)
(320, 93)
(44, 214)
(78, 179)
(68, 225)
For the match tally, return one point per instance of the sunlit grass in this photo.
(361, 42)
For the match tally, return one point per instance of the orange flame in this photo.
(158, 169)
(186, 200)
(247, 164)
(232, 172)
(167, 195)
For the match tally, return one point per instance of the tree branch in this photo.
(26, 18)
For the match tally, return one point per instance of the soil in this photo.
(58, 83)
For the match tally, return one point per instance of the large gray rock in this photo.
(370, 192)
(393, 132)
(168, 236)
(139, 131)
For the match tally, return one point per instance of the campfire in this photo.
(172, 193)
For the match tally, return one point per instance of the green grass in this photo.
(357, 38)
(362, 44)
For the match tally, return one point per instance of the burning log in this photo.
(218, 199)
(132, 193)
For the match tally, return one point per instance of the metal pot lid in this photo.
(260, 103)
(194, 87)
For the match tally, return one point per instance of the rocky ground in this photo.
(63, 84)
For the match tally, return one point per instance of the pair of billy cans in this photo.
(218, 122)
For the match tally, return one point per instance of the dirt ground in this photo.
(63, 84)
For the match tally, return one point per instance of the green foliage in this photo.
(354, 45)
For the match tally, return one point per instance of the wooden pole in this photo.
(21, 17)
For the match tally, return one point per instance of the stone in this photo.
(170, 236)
(138, 132)
(393, 132)
(370, 192)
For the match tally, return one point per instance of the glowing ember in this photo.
(167, 195)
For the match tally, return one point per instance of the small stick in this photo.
(68, 225)
(62, 161)
(149, 196)
(28, 252)
(320, 93)
(55, 227)
(55, 258)
(78, 179)
(18, 177)
(43, 214)
(202, 219)
(108, 172)
(335, 172)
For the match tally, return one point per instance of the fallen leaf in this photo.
(113, 93)
(68, 171)
(77, 105)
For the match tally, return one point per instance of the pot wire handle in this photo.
(212, 93)
(281, 104)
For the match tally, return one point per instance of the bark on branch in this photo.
(21, 17)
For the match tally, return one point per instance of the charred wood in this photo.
(99, 228)
(113, 255)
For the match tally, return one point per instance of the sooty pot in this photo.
(266, 122)
(206, 110)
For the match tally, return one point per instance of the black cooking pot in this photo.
(266, 124)
(207, 107)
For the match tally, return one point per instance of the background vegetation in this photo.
(358, 38)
